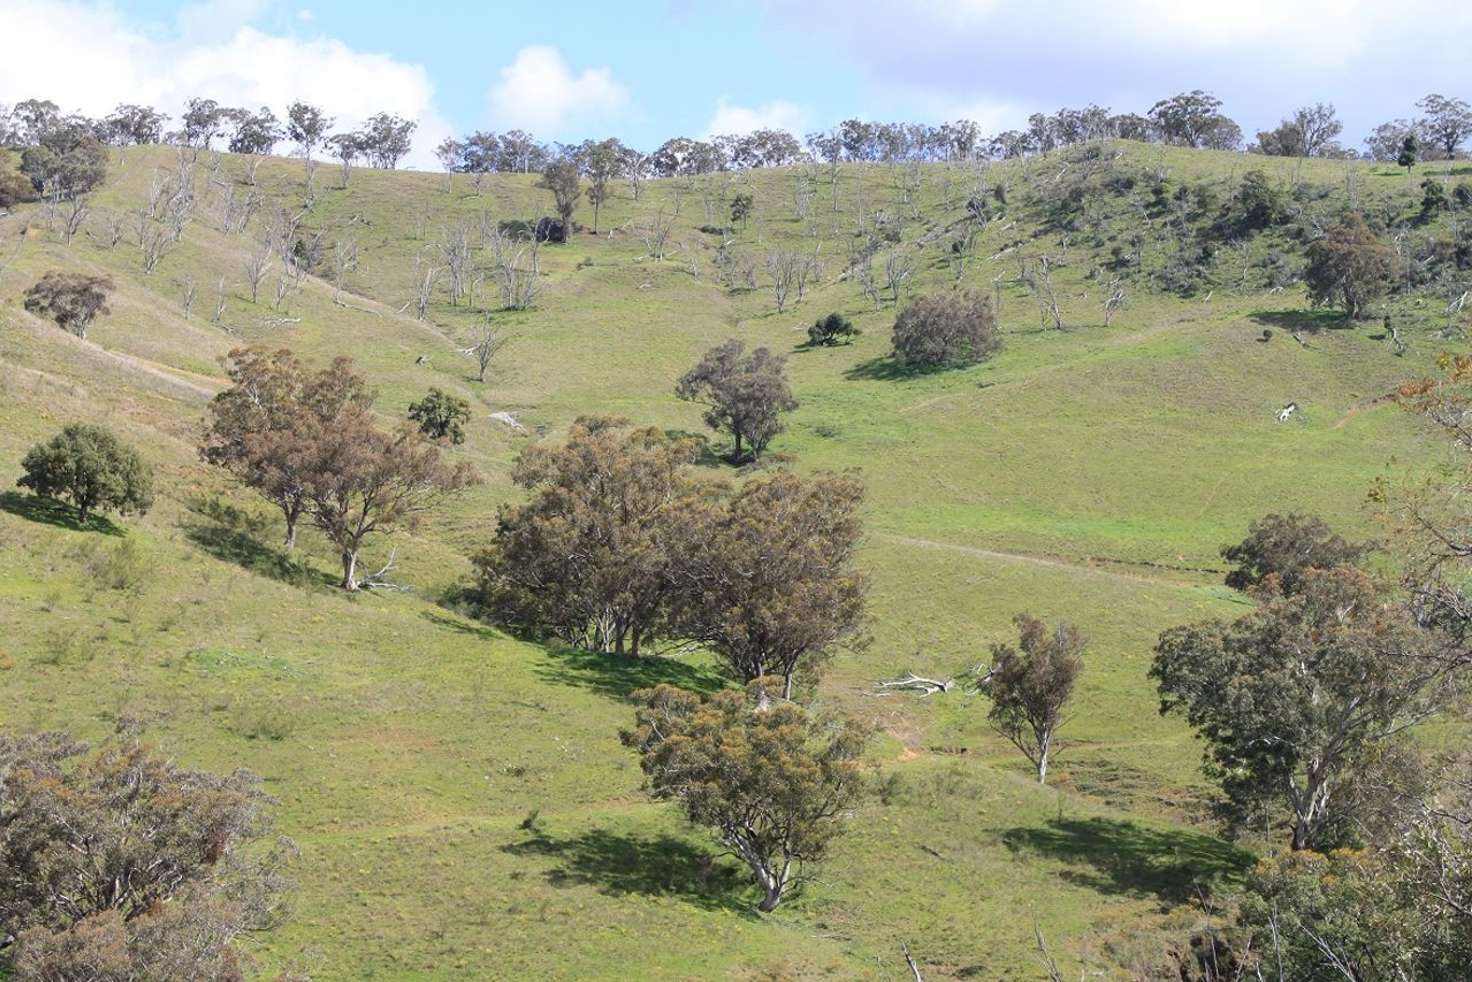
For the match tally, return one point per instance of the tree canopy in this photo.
(1030, 685)
(744, 394)
(591, 559)
(1293, 696)
(72, 300)
(772, 782)
(90, 467)
(120, 865)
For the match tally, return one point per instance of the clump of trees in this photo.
(441, 416)
(1310, 132)
(590, 559)
(72, 300)
(744, 394)
(620, 546)
(260, 427)
(773, 782)
(1294, 698)
(830, 330)
(945, 330)
(1287, 546)
(767, 580)
(306, 441)
(1031, 684)
(1194, 119)
(121, 865)
(90, 467)
(1349, 267)
(65, 160)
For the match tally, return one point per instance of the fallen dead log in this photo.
(915, 683)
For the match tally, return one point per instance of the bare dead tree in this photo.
(488, 341)
(74, 215)
(910, 961)
(186, 294)
(963, 249)
(222, 295)
(783, 266)
(289, 282)
(257, 265)
(344, 261)
(155, 244)
(809, 268)
(517, 269)
(656, 233)
(425, 274)
(456, 253)
(1114, 301)
(116, 225)
(1037, 274)
(899, 266)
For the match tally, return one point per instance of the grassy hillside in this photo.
(462, 802)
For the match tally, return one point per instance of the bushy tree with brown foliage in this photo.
(590, 560)
(1030, 685)
(362, 481)
(119, 865)
(620, 546)
(945, 330)
(262, 427)
(1287, 546)
(90, 467)
(771, 781)
(1294, 696)
(1349, 267)
(72, 300)
(744, 394)
(1430, 523)
(768, 581)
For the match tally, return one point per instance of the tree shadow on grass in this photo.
(619, 864)
(617, 676)
(1119, 857)
(463, 626)
(234, 536)
(48, 511)
(886, 369)
(1311, 321)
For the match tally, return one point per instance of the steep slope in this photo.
(460, 797)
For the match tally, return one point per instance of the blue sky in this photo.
(645, 71)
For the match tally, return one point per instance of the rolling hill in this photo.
(460, 798)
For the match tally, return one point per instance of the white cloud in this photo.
(1262, 57)
(538, 92)
(88, 58)
(737, 120)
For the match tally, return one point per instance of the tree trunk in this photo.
(736, 455)
(772, 899)
(787, 686)
(293, 515)
(349, 569)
